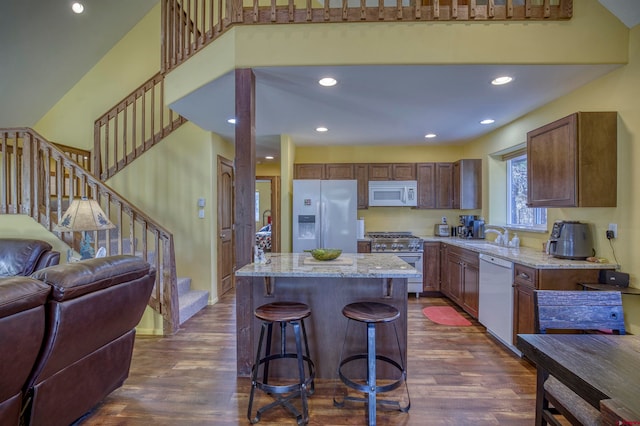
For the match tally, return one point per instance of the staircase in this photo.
(38, 179)
(191, 301)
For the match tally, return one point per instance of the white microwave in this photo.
(394, 193)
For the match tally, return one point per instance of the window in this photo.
(518, 214)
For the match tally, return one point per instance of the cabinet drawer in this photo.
(525, 275)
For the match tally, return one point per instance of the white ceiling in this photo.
(46, 49)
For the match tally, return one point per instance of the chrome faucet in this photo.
(503, 237)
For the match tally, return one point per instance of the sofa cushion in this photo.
(72, 280)
(18, 294)
(20, 256)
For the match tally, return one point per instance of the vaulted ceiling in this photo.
(46, 49)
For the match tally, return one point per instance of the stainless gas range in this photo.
(406, 246)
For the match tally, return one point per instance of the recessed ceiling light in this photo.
(498, 81)
(77, 7)
(321, 129)
(269, 157)
(327, 81)
(430, 135)
(487, 121)
(231, 121)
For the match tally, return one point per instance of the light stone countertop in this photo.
(365, 265)
(523, 255)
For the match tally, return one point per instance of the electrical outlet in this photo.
(613, 227)
(609, 235)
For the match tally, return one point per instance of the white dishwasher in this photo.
(495, 305)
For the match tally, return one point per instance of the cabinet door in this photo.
(362, 176)
(444, 186)
(364, 246)
(380, 171)
(470, 295)
(403, 171)
(444, 273)
(523, 317)
(551, 164)
(455, 276)
(426, 177)
(308, 171)
(455, 185)
(339, 171)
(431, 267)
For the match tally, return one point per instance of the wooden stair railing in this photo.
(131, 127)
(190, 25)
(36, 178)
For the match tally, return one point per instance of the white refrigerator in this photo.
(325, 215)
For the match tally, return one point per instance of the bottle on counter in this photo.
(515, 242)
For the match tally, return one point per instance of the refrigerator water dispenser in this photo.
(307, 226)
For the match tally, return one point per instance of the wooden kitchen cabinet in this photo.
(364, 246)
(332, 171)
(392, 171)
(362, 176)
(527, 279)
(461, 274)
(339, 171)
(431, 267)
(435, 185)
(572, 162)
(308, 171)
(467, 184)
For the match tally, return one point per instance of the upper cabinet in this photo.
(362, 176)
(467, 184)
(450, 185)
(572, 162)
(390, 171)
(339, 171)
(308, 171)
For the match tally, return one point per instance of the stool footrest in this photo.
(395, 404)
(365, 387)
(278, 389)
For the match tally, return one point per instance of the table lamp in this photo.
(84, 215)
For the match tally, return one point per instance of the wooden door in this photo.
(226, 264)
(308, 171)
(340, 171)
(455, 276)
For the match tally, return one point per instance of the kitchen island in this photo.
(326, 286)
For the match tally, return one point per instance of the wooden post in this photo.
(244, 215)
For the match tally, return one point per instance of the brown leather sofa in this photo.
(22, 326)
(90, 316)
(20, 256)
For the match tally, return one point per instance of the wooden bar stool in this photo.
(372, 313)
(284, 313)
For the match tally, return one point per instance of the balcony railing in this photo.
(190, 25)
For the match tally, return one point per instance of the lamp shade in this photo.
(84, 215)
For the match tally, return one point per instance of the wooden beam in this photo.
(244, 214)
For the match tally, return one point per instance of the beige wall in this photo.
(168, 182)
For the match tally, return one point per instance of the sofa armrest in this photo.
(20, 256)
(18, 294)
(73, 280)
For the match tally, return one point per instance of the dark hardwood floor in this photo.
(457, 376)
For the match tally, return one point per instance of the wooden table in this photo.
(595, 366)
(609, 287)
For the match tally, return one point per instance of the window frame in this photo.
(540, 214)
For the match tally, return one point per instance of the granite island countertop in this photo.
(348, 265)
(523, 255)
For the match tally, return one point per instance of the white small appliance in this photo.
(393, 193)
